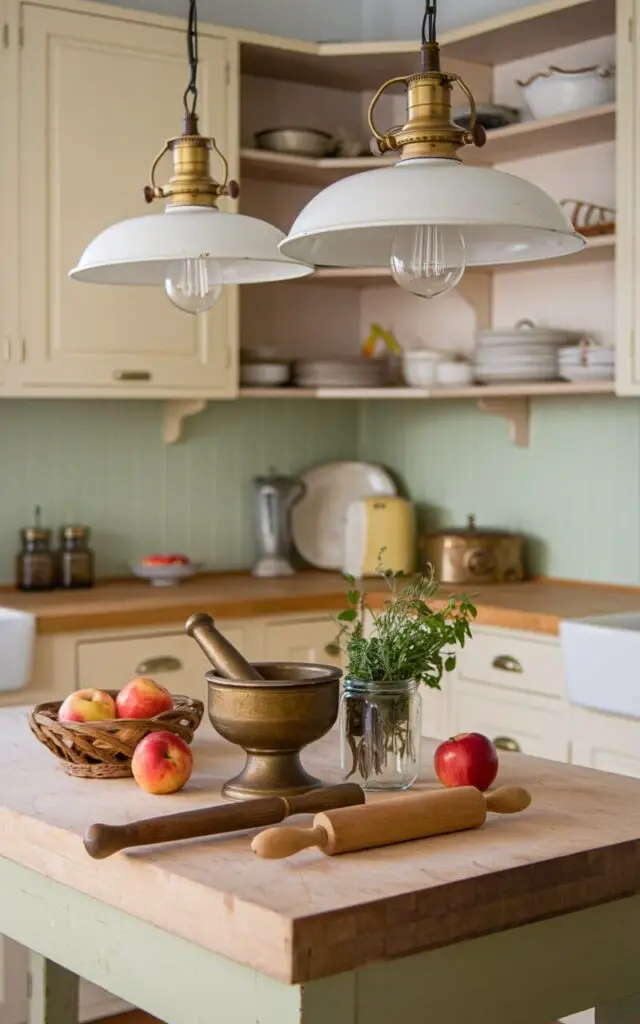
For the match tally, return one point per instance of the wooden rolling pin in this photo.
(102, 840)
(411, 816)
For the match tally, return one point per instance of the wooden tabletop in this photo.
(312, 916)
(537, 606)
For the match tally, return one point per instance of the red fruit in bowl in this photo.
(143, 698)
(469, 759)
(166, 560)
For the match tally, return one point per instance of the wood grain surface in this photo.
(577, 846)
(536, 606)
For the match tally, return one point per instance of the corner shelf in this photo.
(515, 142)
(511, 401)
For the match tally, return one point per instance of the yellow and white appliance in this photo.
(376, 523)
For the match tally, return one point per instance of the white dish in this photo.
(587, 356)
(452, 374)
(264, 375)
(419, 367)
(318, 520)
(577, 374)
(165, 575)
(524, 333)
(519, 375)
(557, 91)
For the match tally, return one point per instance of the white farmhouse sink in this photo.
(602, 662)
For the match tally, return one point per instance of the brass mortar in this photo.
(272, 719)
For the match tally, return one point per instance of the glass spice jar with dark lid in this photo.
(75, 559)
(35, 562)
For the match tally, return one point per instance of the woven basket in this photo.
(103, 750)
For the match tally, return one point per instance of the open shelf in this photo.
(498, 40)
(600, 248)
(515, 142)
(477, 391)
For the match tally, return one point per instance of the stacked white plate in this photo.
(341, 373)
(586, 362)
(521, 353)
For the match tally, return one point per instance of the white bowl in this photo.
(585, 373)
(264, 375)
(451, 374)
(557, 91)
(419, 367)
(165, 575)
(576, 355)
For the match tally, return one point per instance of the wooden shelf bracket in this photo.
(516, 411)
(176, 410)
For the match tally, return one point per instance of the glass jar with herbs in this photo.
(406, 644)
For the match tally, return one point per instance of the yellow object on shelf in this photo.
(378, 334)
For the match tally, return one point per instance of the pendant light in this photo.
(193, 249)
(429, 216)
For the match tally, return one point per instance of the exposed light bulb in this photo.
(427, 260)
(194, 285)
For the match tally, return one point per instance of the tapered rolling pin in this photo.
(227, 661)
(102, 840)
(412, 816)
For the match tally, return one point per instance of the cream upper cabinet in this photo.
(98, 97)
(628, 199)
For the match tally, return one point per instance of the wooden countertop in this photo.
(577, 846)
(536, 606)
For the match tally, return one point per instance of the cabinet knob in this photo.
(506, 743)
(162, 664)
(505, 663)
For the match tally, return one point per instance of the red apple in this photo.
(162, 763)
(166, 560)
(469, 759)
(143, 698)
(87, 706)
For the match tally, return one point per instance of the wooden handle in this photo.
(508, 799)
(224, 657)
(101, 841)
(276, 843)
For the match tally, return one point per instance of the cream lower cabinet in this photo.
(303, 640)
(608, 743)
(97, 97)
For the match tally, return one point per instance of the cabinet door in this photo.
(537, 725)
(13, 982)
(605, 742)
(98, 97)
(307, 640)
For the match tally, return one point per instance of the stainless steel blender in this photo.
(274, 497)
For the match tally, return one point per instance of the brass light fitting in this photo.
(191, 183)
(429, 130)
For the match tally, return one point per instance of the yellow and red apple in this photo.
(162, 762)
(87, 706)
(143, 698)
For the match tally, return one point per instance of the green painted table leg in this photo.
(52, 992)
(624, 1011)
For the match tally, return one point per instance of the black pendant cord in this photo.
(429, 22)
(190, 98)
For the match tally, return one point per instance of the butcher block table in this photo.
(525, 920)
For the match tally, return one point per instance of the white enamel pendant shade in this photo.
(145, 250)
(503, 218)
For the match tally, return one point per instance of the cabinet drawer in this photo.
(517, 661)
(172, 659)
(537, 725)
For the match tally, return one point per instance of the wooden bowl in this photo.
(103, 750)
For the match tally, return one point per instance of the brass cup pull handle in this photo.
(131, 375)
(162, 664)
(505, 663)
(508, 744)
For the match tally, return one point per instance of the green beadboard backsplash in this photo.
(575, 491)
(104, 463)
